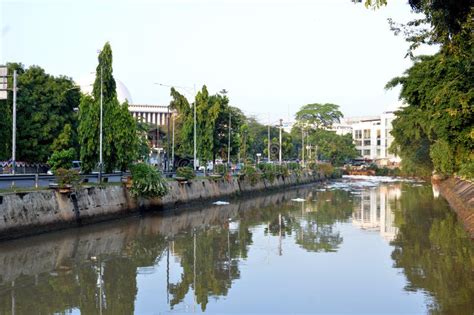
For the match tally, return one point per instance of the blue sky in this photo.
(272, 56)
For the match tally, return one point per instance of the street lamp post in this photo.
(101, 125)
(281, 125)
(194, 121)
(14, 124)
(228, 146)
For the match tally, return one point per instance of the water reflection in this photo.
(434, 251)
(374, 211)
(196, 258)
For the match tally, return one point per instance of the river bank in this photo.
(460, 195)
(29, 213)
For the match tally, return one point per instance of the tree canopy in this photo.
(121, 142)
(319, 115)
(45, 105)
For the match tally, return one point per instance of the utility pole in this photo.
(281, 125)
(14, 124)
(195, 137)
(228, 146)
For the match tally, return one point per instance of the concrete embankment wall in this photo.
(58, 251)
(30, 213)
(460, 195)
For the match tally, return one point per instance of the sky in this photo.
(272, 56)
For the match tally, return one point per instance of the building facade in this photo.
(158, 115)
(371, 135)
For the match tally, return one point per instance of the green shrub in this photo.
(466, 170)
(326, 169)
(292, 166)
(251, 174)
(61, 159)
(442, 157)
(221, 169)
(147, 182)
(313, 166)
(185, 172)
(67, 177)
(282, 170)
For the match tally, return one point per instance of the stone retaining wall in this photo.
(460, 195)
(30, 213)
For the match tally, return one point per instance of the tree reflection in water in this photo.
(434, 251)
(95, 270)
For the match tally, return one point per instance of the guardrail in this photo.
(43, 180)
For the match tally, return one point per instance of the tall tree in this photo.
(319, 115)
(120, 136)
(45, 104)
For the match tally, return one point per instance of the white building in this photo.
(153, 114)
(371, 136)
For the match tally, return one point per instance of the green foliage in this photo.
(147, 181)
(466, 171)
(67, 177)
(121, 139)
(442, 157)
(326, 169)
(62, 159)
(221, 169)
(282, 170)
(251, 174)
(439, 92)
(212, 120)
(318, 115)
(65, 140)
(385, 171)
(268, 171)
(185, 172)
(45, 104)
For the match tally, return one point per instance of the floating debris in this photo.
(298, 200)
(220, 203)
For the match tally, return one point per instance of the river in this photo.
(356, 245)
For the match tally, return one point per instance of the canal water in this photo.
(365, 245)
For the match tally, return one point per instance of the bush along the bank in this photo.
(251, 174)
(61, 159)
(185, 172)
(326, 170)
(67, 178)
(268, 171)
(221, 169)
(148, 182)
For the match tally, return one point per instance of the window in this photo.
(378, 152)
(366, 152)
(359, 152)
(358, 134)
(379, 133)
(366, 142)
(366, 133)
(379, 142)
(358, 143)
